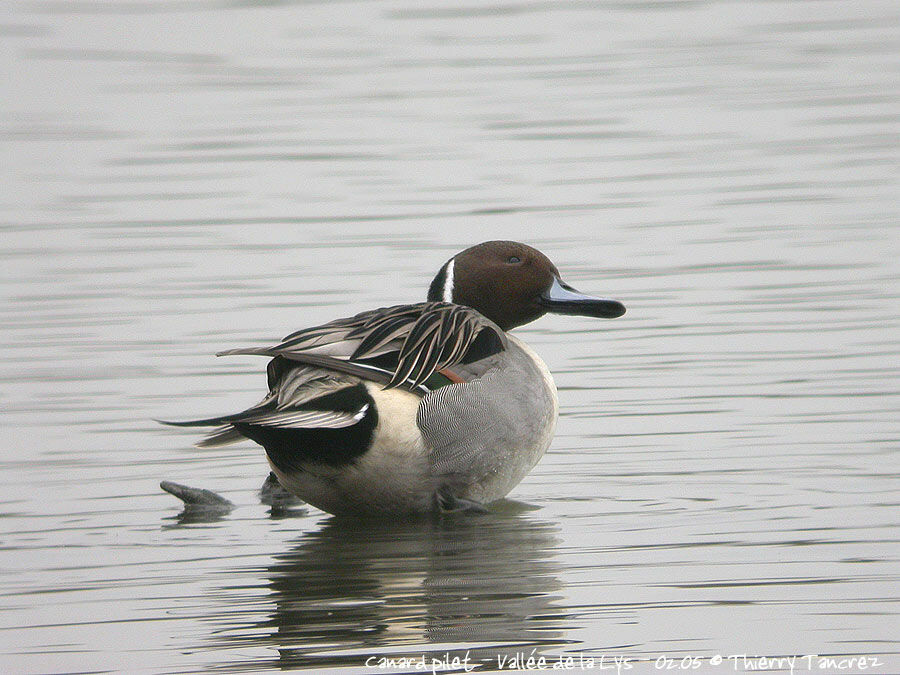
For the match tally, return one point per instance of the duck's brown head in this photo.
(513, 284)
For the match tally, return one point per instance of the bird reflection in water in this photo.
(353, 592)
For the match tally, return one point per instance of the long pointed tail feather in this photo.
(209, 422)
(226, 434)
(223, 436)
(251, 351)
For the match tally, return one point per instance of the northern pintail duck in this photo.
(417, 408)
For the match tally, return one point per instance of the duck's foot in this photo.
(447, 502)
(200, 504)
(196, 499)
(273, 494)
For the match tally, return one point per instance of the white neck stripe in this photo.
(448, 282)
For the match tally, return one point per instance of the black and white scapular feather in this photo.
(315, 375)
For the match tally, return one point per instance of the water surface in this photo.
(186, 176)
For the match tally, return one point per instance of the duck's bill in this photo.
(561, 298)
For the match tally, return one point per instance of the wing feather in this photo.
(419, 339)
(307, 419)
(380, 336)
(400, 346)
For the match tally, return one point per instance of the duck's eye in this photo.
(512, 260)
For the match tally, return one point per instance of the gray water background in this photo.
(180, 177)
